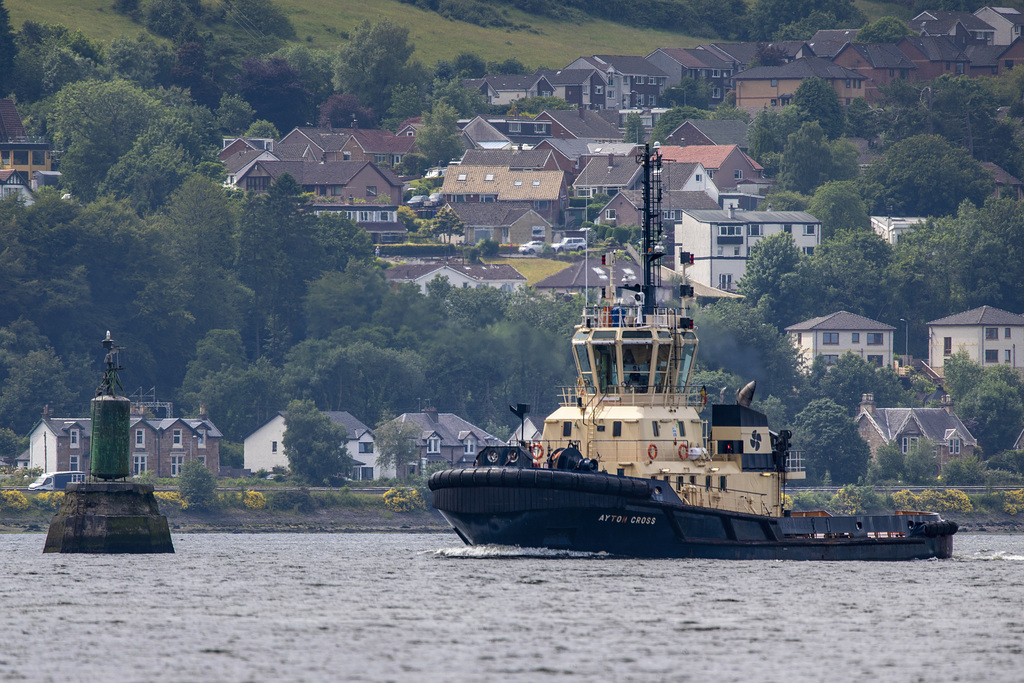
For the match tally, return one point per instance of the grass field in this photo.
(534, 269)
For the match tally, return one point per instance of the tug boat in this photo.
(630, 464)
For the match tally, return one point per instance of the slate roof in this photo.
(618, 171)
(498, 272)
(935, 424)
(936, 48)
(1000, 176)
(725, 132)
(491, 214)
(847, 35)
(625, 64)
(332, 173)
(504, 81)
(512, 158)
(743, 53)
(575, 276)
(984, 55)
(452, 429)
(354, 427)
(479, 131)
(882, 56)
(840, 320)
(11, 127)
(584, 123)
(63, 424)
(675, 200)
(805, 67)
(568, 76)
(693, 58)
(943, 21)
(236, 162)
(984, 315)
(327, 139)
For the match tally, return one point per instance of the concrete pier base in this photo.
(113, 517)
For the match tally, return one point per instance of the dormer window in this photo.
(469, 448)
(434, 445)
(201, 438)
(74, 438)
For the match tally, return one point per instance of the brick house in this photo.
(340, 181)
(876, 63)
(709, 132)
(934, 56)
(507, 222)
(545, 191)
(1006, 23)
(581, 124)
(160, 446)
(725, 164)
(582, 88)
(382, 147)
(507, 88)
(18, 150)
(700, 65)
(447, 438)
(909, 427)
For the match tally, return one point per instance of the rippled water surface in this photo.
(405, 607)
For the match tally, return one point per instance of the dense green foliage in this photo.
(197, 485)
(314, 446)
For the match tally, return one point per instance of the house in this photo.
(14, 184)
(232, 146)
(19, 150)
(737, 55)
(827, 43)
(160, 446)
(632, 81)
(520, 131)
(41, 179)
(910, 427)
(572, 154)
(834, 335)
(962, 28)
(581, 88)
(1005, 21)
(696, 64)
(590, 274)
(546, 191)
(892, 228)
(774, 86)
(379, 220)
(725, 164)
(1006, 184)
(988, 335)
(507, 88)
(264, 447)
(684, 186)
(339, 181)
(478, 133)
(499, 276)
(515, 159)
(720, 240)
(446, 438)
(504, 222)
(707, 132)
(608, 174)
(583, 124)
(876, 63)
(241, 161)
(528, 431)
(382, 147)
(934, 56)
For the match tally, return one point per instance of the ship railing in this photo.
(633, 395)
(795, 461)
(630, 316)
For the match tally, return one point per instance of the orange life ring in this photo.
(537, 450)
(652, 451)
(683, 450)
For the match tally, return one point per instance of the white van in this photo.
(56, 481)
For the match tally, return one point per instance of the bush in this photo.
(400, 499)
(197, 485)
(295, 501)
(254, 500)
(948, 500)
(1013, 501)
(848, 501)
(170, 499)
(904, 500)
(13, 501)
(49, 500)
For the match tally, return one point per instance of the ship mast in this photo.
(653, 244)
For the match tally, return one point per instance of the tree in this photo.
(143, 60)
(261, 128)
(806, 27)
(396, 445)
(33, 380)
(8, 50)
(275, 91)
(11, 445)
(634, 129)
(689, 92)
(469, 65)
(840, 270)
(850, 378)
(817, 101)
(313, 444)
(447, 223)
(264, 16)
(439, 140)
(535, 105)
(672, 119)
(770, 130)
(889, 463)
(767, 16)
(727, 111)
(233, 114)
(885, 30)
(831, 443)
(374, 61)
(197, 485)
(905, 180)
(838, 205)
(345, 111)
(964, 472)
(772, 282)
(806, 160)
(919, 465)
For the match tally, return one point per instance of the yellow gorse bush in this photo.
(254, 500)
(49, 500)
(904, 500)
(1013, 501)
(933, 500)
(847, 501)
(172, 498)
(401, 499)
(14, 501)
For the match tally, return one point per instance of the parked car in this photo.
(55, 481)
(531, 248)
(570, 244)
(417, 201)
(435, 197)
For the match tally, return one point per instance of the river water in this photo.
(408, 607)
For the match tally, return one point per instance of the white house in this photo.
(1006, 21)
(720, 240)
(892, 228)
(837, 334)
(989, 336)
(264, 448)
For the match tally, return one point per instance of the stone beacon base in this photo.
(112, 518)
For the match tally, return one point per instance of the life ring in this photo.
(683, 450)
(537, 451)
(652, 451)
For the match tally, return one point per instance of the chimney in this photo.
(867, 403)
(431, 414)
(947, 403)
(202, 411)
(46, 410)
(732, 211)
(610, 160)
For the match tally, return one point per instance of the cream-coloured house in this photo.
(893, 228)
(990, 336)
(831, 336)
(264, 448)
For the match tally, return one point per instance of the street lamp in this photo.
(906, 337)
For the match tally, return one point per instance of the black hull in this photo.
(619, 515)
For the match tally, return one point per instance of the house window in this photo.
(201, 438)
(1006, 333)
(716, 93)
(960, 67)
(470, 446)
(273, 447)
(808, 230)
(140, 438)
(434, 444)
(538, 232)
(892, 72)
(850, 85)
(787, 227)
(991, 356)
(74, 438)
(177, 461)
(1008, 64)
(365, 473)
(380, 158)
(696, 177)
(176, 438)
(954, 446)
(830, 358)
(461, 177)
(875, 360)
(489, 178)
(514, 127)
(586, 90)
(829, 337)
(735, 251)
(139, 465)
(874, 338)
(711, 174)
(991, 333)
(775, 82)
(855, 338)
(640, 99)
(809, 251)
(737, 174)
(598, 90)
(753, 230)
(609, 214)
(1006, 356)
(907, 443)
(366, 447)
(73, 463)
(947, 346)
(730, 230)
(346, 156)
(725, 281)
(364, 216)
(371, 190)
